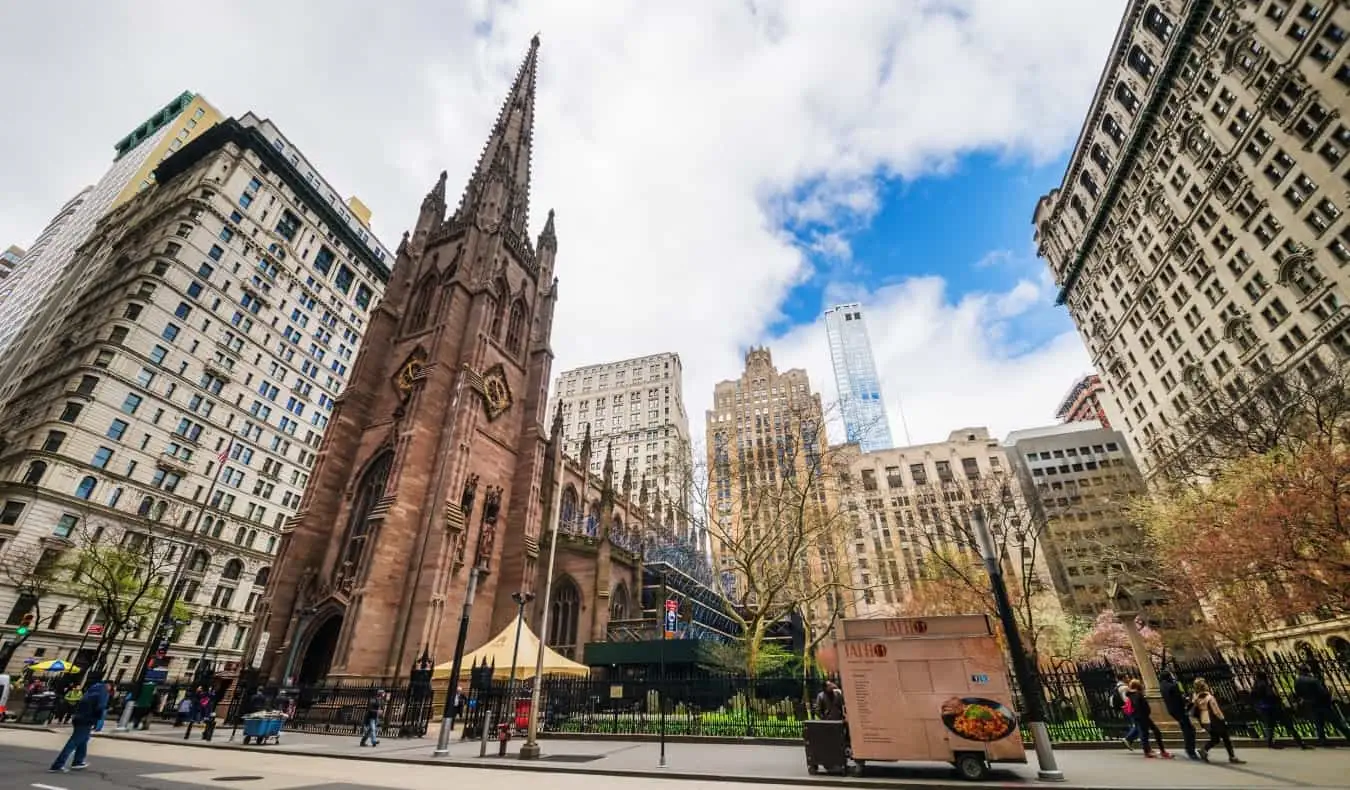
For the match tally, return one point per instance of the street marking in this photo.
(47, 787)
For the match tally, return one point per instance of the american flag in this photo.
(224, 454)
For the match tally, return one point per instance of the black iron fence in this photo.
(1078, 701)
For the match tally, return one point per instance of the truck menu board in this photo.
(927, 689)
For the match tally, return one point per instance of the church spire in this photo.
(549, 236)
(607, 472)
(507, 155)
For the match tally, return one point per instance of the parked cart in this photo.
(259, 727)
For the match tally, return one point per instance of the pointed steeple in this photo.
(642, 495)
(586, 450)
(436, 197)
(431, 215)
(607, 472)
(627, 485)
(549, 237)
(507, 153)
(555, 431)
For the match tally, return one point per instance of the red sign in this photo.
(95, 629)
(672, 606)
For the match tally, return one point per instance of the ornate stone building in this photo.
(438, 455)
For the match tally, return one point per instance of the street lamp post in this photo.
(482, 556)
(665, 615)
(522, 599)
(1031, 696)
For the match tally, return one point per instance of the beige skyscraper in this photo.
(184, 406)
(1198, 237)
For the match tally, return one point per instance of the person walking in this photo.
(1120, 700)
(1174, 699)
(830, 703)
(372, 724)
(1269, 706)
(1211, 718)
(111, 690)
(1143, 719)
(91, 707)
(1319, 705)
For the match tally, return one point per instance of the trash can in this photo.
(826, 746)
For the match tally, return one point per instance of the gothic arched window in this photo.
(200, 561)
(515, 326)
(564, 616)
(593, 518)
(368, 493)
(264, 574)
(1141, 63)
(146, 504)
(569, 510)
(421, 304)
(35, 472)
(1113, 130)
(86, 488)
(1127, 98)
(498, 307)
(1158, 24)
(618, 603)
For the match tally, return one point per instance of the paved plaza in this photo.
(320, 761)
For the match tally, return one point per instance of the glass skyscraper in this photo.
(855, 374)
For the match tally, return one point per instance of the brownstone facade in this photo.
(437, 456)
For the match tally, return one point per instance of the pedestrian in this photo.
(111, 691)
(184, 711)
(68, 702)
(1174, 699)
(830, 703)
(459, 703)
(1319, 704)
(91, 707)
(1143, 719)
(256, 703)
(1206, 709)
(372, 725)
(1270, 707)
(1120, 700)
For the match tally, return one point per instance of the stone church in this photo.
(439, 455)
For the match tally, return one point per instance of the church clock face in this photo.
(496, 393)
(408, 374)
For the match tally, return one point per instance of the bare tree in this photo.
(772, 505)
(953, 578)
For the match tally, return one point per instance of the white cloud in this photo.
(675, 141)
(943, 362)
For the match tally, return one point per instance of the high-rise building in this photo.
(1198, 237)
(907, 503)
(1080, 481)
(637, 407)
(9, 259)
(40, 292)
(767, 447)
(855, 374)
(1083, 402)
(217, 316)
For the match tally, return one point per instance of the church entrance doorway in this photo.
(319, 654)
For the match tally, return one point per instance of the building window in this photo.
(343, 280)
(54, 441)
(131, 403)
(35, 472)
(86, 488)
(101, 457)
(323, 260)
(117, 429)
(72, 411)
(515, 326)
(564, 615)
(65, 526)
(9, 514)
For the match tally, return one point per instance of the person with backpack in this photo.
(1206, 708)
(1142, 711)
(1120, 701)
(371, 731)
(91, 707)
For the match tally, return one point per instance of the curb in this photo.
(515, 764)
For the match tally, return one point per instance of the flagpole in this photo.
(530, 749)
(165, 614)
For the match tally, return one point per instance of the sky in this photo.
(722, 171)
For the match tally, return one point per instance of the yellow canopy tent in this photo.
(498, 653)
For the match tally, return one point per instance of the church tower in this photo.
(434, 454)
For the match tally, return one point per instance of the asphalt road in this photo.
(26, 769)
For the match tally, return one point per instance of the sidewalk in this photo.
(1289, 768)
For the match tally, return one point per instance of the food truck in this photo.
(931, 689)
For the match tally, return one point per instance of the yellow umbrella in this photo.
(54, 665)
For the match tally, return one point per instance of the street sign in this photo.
(157, 675)
(94, 630)
(672, 606)
(261, 650)
(670, 624)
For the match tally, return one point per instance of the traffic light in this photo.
(25, 626)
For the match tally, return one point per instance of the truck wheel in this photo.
(972, 767)
(812, 769)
